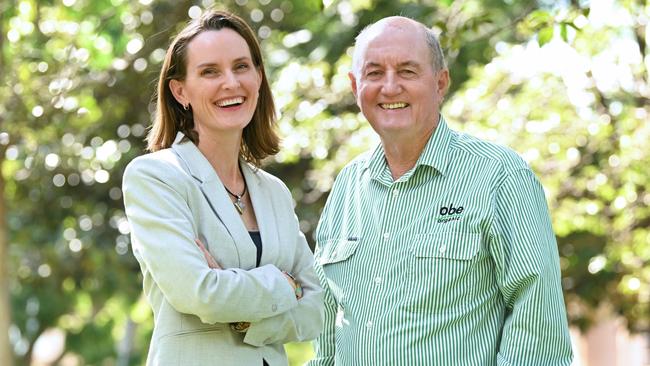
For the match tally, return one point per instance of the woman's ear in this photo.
(259, 78)
(178, 90)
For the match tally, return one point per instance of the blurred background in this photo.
(564, 83)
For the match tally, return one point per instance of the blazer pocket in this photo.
(189, 332)
(194, 347)
(446, 245)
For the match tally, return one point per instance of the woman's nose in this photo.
(230, 80)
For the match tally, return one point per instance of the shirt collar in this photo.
(435, 153)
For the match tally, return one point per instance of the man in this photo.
(436, 248)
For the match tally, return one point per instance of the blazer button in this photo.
(274, 308)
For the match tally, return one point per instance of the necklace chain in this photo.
(239, 204)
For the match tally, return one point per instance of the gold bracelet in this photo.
(240, 327)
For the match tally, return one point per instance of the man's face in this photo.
(397, 89)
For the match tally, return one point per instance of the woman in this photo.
(226, 269)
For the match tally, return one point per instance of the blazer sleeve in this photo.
(162, 235)
(305, 321)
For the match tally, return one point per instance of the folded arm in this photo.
(163, 234)
(305, 321)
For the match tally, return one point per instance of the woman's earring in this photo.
(186, 107)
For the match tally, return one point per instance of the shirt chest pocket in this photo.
(442, 267)
(460, 246)
(337, 250)
(335, 258)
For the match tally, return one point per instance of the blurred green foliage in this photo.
(565, 86)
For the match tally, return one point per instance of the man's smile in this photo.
(397, 105)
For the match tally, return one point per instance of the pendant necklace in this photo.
(239, 204)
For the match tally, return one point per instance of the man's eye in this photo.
(373, 73)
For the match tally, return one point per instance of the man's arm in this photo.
(325, 344)
(522, 243)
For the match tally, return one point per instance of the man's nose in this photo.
(391, 84)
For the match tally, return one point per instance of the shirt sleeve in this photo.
(163, 233)
(325, 344)
(524, 249)
(303, 322)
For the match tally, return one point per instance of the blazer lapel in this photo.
(217, 197)
(264, 213)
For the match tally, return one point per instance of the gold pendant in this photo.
(239, 205)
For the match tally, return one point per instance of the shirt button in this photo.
(274, 308)
(386, 236)
(395, 192)
(378, 280)
(442, 249)
(369, 324)
(334, 253)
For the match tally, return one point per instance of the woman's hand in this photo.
(212, 263)
(297, 288)
(239, 327)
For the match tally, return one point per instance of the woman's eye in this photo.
(242, 67)
(208, 72)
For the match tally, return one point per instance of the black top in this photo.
(257, 239)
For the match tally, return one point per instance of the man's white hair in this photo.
(361, 41)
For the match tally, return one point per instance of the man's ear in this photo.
(178, 90)
(353, 83)
(442, 85)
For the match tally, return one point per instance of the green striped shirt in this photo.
(454, 263)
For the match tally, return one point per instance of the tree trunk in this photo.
(6, 352)
(125, 347)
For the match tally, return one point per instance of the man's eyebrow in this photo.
(371, 64)
(409, 63)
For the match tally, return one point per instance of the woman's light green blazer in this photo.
(174, 196)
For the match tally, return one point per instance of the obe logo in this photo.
(451, 210)
(450, 213)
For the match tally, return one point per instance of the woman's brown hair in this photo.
(259, 139)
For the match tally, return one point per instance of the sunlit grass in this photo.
(299, 353)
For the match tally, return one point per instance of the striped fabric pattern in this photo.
(454, 263)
